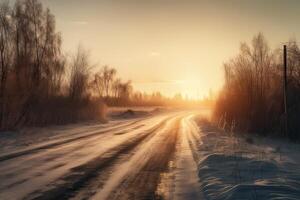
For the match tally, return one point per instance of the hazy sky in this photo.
(172, 45)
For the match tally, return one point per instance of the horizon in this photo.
(186, 42)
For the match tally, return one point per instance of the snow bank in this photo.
(234, 177)
(134, 112)
(230, 168)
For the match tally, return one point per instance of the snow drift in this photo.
(230, 168)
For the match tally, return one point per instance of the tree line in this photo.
(40, 84)
(252, 97)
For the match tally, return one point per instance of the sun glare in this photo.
(189, 88)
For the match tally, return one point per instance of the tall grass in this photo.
(252, 95)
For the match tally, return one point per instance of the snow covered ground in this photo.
(28, 137)
(150, 154)
(86, 160)
(232, 167)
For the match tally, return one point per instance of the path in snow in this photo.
(124, 160)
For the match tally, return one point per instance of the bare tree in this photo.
(79, 74)
(247, 85)
(108, 78)
(98, 84)
(124, 91)
(116, 88)
(104, 82)
(32, 68)
(6, 55)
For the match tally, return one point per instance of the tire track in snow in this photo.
(186, 181)
(62, 142)
(144, 169)
(79, 176)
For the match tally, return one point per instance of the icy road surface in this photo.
(145, 158)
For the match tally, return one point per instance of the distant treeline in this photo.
(41, 85)
(252, 97)
(105, 85)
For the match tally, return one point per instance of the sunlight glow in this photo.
(190, 89)
(160, 41)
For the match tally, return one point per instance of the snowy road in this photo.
(145, 158)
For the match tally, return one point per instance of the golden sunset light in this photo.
(149, 99)
(160, 41)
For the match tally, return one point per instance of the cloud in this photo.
(77, 22)
(154, 54)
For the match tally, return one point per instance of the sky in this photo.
(171, 46)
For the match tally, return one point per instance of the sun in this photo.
(189, 88)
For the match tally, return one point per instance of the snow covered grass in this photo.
(239, 167)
